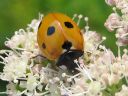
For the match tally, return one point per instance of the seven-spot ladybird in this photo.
(59, 38)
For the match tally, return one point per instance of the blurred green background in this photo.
(16, 14)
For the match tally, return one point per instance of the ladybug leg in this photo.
(74, 50)
(39, 55)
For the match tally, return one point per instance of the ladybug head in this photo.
(67, 59)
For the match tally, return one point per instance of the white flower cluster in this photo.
(118, 20)
(29, 74)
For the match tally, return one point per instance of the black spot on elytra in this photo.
(43, 46)
(67, 45)
(68, 24)
(50, 30)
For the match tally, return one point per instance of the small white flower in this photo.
(94, 88)
(112, 22)
(15, 67)
(31, 82)
(111, 2)
(90, 42)
(122, 4)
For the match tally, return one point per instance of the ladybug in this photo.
(60, 39)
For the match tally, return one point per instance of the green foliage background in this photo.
(16, 14)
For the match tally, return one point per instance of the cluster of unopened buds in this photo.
(101, 73)
(118, 20)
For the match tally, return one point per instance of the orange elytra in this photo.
(59, 36)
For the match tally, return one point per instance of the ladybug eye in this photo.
(50, 30)
(68, 24)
